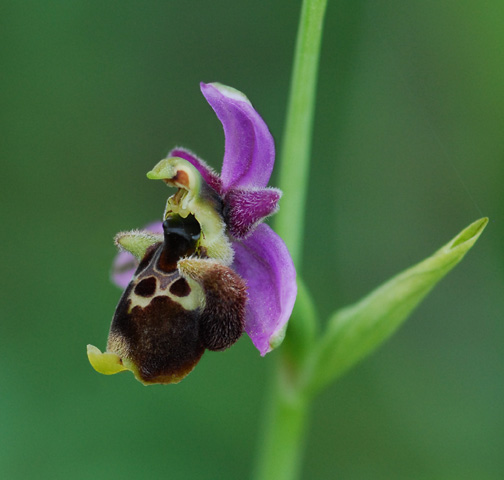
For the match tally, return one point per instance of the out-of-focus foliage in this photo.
(408, 139)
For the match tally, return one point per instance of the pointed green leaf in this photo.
(355, 331)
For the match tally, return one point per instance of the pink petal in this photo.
(123, 268)
(249, 152)
(264, 262)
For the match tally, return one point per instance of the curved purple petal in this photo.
(208, 174)
(249, 152)
(264, 262)
(245, 208)
(125, 263)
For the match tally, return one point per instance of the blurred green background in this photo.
(408, 149)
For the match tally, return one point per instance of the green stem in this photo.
(283, 432)
(295, 158)
(302, 329)
(280, 452)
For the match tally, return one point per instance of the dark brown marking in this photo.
(180, 238)
(180, 288)
(146, 287)
(162, 339)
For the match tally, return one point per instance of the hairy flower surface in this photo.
(211, 268)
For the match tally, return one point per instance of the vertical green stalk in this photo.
(295, 157)
(283, 431)
(285, 424)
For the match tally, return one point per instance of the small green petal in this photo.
(137, 242)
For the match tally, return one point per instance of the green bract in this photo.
(355, 331)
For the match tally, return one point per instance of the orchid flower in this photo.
(211, 269)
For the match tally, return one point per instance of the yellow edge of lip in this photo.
(106, 363)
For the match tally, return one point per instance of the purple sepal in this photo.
(264, 262)
(245, 208)
(123, 268)
(249, 151)
(208, 174)
(125, 263)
